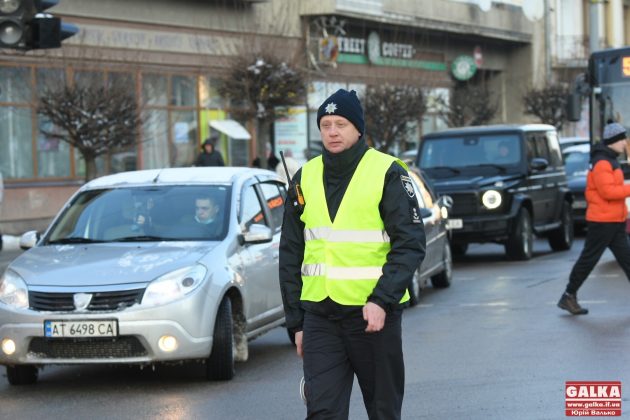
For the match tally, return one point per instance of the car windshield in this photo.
(453, 153)
(576, 163)
(166, 213)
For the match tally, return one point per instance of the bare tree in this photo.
(548, 103)
(389, 110)
(92, 118)
(469, 104)
(259, 83)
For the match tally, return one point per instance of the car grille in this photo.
(86, 348)
(464, 204)
(101, 301)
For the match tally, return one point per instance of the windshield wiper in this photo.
(75, 240)
(450, 168)
(141, 238)
(493, 165)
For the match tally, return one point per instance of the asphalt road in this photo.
(493, 346)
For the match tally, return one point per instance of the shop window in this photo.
(16, 153)
(52, 78)
(183, 91)
(53, 155)
(15, 85)
(126, 159)
(154, 89)
(155, 149)
(79, 164)
(87, 79)
(126, 80)
(184, 135)
(209, 94)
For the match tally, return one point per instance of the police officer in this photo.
(346, 260)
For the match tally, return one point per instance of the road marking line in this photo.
(485, 304)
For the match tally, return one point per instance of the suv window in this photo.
(471, 151)
(542, 150)
(555, 153)
(530, 145)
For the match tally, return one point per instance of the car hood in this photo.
(468, 183)
(105, 264)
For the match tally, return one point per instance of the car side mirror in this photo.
(538, 164)
(256, 234)
(29, 239)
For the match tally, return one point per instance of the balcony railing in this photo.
(572, 47)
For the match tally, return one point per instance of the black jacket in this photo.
(209, 159)
(406, 237)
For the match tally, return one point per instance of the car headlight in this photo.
(174, 285)
(491, 199)
(13, 291)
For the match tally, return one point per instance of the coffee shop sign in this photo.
(387, 49)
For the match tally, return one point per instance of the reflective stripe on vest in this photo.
(343, 260)
(331, 235)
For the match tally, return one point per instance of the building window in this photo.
(16, 149)
(170, 137)
(155, 149)
(53, 155)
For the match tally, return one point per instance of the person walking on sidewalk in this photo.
(346, 262)
(209, 156)
(606, 214)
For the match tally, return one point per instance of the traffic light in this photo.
(25, 26)
(47, 31)
(13, 14)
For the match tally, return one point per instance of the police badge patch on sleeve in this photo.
(408, 186)
(415, 215)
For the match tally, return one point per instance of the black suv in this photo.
(507, 183)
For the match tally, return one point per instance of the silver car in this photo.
(133, 271)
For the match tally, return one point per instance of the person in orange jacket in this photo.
(605, 214)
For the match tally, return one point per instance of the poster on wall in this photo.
(291, 133)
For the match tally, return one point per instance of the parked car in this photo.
(409, 156)
(572, 141)
(437, 266)
(577, 161)
(127, 274)
(507, 183)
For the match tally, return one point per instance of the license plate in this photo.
(91, 328)
(579, 204)
(454, 224)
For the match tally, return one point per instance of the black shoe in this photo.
(569, 303)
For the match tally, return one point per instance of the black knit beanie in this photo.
(345, 104)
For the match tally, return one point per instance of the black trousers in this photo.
(337, 349)
(600, 236)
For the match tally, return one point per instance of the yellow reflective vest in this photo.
(344, 259)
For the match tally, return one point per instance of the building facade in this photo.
(173, 55)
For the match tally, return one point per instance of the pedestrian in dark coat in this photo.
(346, 260)
(209, 156)
(606, 214)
